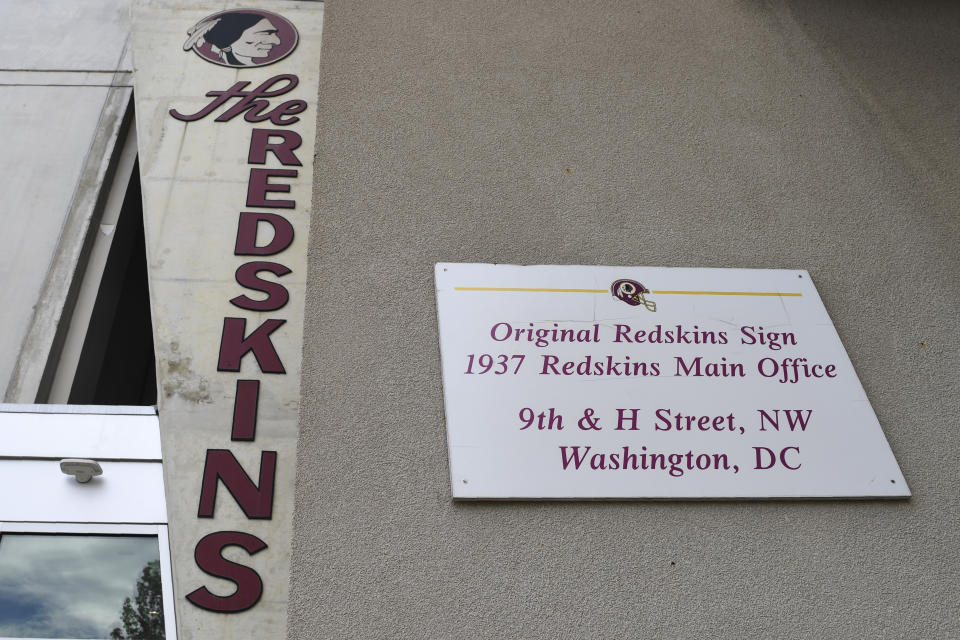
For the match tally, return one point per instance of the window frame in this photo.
(81, 528)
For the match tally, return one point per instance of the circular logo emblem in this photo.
(242, 38)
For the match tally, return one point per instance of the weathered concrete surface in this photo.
(49, 146)
(194, 177)
(51, 253)
(64, 102)
(80, 35)
(810, 135)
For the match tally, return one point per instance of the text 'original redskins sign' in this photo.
(226, 166)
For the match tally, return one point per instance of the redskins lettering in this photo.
(252, 490)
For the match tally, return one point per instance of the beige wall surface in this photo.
(808, 135)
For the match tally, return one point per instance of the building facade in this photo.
(766, 135)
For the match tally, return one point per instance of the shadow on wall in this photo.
(902, 62)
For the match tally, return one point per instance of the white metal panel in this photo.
(71, 409)
(85, 528)
(45, 435)
(37, 491)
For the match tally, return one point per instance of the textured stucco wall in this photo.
(816, 135)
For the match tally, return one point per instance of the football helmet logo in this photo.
(632, 292)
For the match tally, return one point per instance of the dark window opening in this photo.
(116, 365)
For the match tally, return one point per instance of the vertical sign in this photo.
(225, 101)
(641, 382)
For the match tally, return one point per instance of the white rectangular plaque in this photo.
(642, 382)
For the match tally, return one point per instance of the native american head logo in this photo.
(632, 292)
(242, 38)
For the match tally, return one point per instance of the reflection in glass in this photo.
(80, 586)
